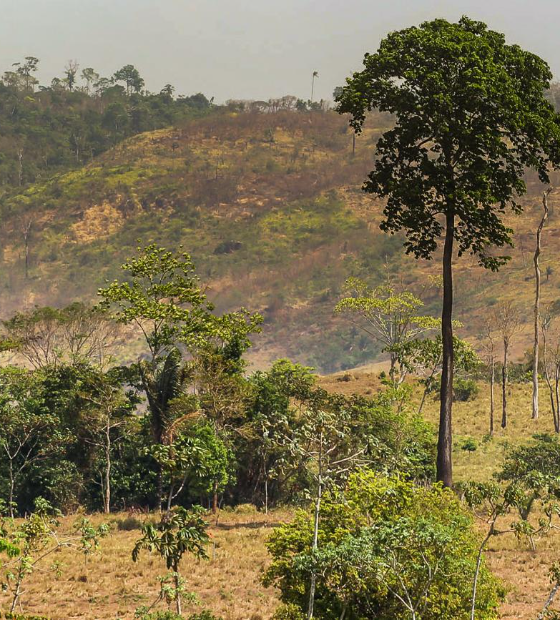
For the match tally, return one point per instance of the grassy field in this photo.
(112, 586)
(228, 584)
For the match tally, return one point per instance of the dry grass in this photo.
(112, 586)
(229, 582)
(524, 572)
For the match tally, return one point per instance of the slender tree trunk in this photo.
(423, 400)
(215, 498)
(492, 382)
(160, 488)
(551, 388)
(549, 601)
(265, 492)
(314, 547)
(445, 436)
(107, 506)
(504, 384)
(12, 485)
(537, 308)
(557, 398)
(177, 580)
(477, 569)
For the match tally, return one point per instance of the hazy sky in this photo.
(250, 49)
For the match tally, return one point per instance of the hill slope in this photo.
(270, 207)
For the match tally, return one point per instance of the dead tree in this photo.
(507, 320)
(26, 232)
(490, 355)
(551, 364)
(536, 342)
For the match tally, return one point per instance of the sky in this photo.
(244, 49)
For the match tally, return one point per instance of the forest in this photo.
(163, 455)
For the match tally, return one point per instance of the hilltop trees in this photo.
(470, 117)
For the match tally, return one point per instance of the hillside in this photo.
(270, 207)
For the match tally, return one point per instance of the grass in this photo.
(228, 584)
(112, 586)
(523, 572)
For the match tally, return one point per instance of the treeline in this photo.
(184, 424)
(46, 129)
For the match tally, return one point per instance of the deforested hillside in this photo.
(270, 207)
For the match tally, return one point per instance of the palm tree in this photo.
(163, 380)
(315, 75)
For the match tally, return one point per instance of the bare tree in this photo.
(26, 233)
(508, 322)
(551, 364)
(489, 347)
(537, 326)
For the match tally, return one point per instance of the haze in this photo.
(249, 49)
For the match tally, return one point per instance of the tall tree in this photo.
(130, 75)
(536, 341)
(490, 355)
(470, 117)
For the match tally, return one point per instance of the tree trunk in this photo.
(107, 505)
(313, 584)
(557, 398)
(266, 493)
(492, 382)
(549, 601)
(215, 498)
(12, 485)
(504, 384)
(160, 488)
(177, 580)
(477, 569)
(445, 436)
(537, 308)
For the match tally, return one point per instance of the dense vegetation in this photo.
(140, 397)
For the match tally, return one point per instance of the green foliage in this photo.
(61, 126)
(389, 316)
(386, 548)
(10, 616)
(179, 531)
(465, 389)
(90, 536)
(484, 120)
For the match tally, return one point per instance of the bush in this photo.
(288, 612)
(160, 615)
(129, 524)
(10, 616)
(469, 445)
(205, 614)
(384, 536)
(464, 390)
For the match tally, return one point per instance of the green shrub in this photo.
(205, 614)
(464, 390)
(469, 445)
(288, 611)
(160, 615)
(383, 540)
(10, 616)
(129, 523)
